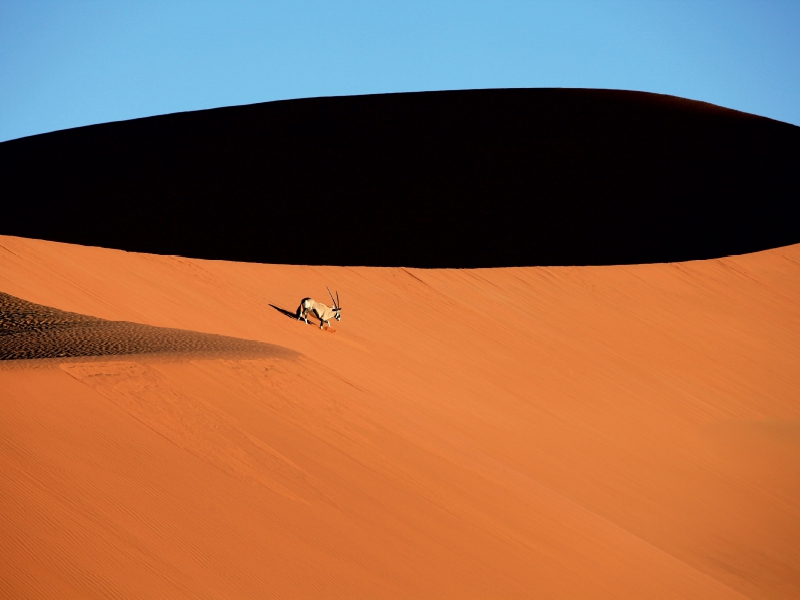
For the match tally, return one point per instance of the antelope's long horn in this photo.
(338, 305)
(329, 292)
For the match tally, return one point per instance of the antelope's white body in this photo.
(322, 311)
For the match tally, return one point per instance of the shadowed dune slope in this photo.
(29, 331)
(480, 178)
(563, 432)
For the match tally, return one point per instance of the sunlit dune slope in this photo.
(469, 178)
(567, 432)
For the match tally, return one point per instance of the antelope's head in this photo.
(336, 307)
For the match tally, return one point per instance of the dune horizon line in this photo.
(460, 179)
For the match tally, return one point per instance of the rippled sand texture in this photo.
(29, 330)
(605, 432)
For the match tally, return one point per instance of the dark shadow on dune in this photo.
(480, 178)
(289, 314)
(292, 315)
(33, 331)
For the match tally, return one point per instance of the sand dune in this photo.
(470, 178)
(593, 432)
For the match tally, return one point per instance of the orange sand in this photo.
(588, 432)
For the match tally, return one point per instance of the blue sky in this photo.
(71, 63)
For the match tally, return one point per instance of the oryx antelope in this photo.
(321, 311)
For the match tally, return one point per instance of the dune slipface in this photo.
(474, 178)
(565, 432)
(32, 331)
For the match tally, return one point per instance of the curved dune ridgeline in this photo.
(477, 178)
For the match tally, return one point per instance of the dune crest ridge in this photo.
(593, 432)
(451, 179)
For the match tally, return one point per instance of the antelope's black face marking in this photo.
(339, 315)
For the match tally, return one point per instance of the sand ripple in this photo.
(32, 331)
